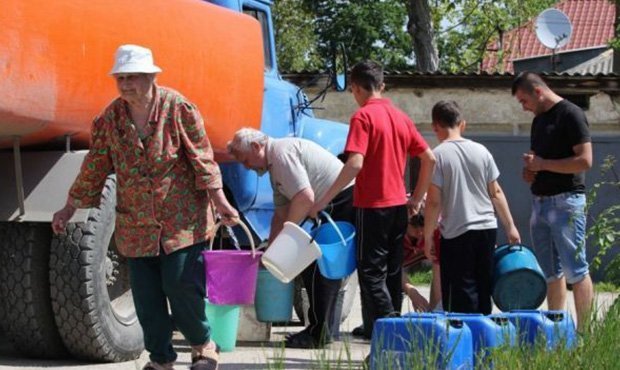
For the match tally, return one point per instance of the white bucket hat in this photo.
(134, 59)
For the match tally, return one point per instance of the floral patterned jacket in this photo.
(162, 181)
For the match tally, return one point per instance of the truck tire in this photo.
(343, 305)
(28, 321)
(91, 296)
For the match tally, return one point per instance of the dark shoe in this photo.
(360, 333)
(304, 340)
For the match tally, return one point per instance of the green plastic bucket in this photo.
(224, 322)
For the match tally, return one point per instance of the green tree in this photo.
(296, 40)
(464, 28)
(461, 29)
(615, 42)
(368, 29)
(422, 31)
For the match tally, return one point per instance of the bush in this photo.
(604, 232)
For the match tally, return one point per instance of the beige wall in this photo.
(487, 111)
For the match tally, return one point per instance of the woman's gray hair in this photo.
(243, 139)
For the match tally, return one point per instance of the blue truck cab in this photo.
(285, 113)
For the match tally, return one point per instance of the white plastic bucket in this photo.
(290, 253)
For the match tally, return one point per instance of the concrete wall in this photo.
(487, 111)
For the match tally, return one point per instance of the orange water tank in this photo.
(55, 57)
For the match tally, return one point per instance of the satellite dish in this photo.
(553, 28)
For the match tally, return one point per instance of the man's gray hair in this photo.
(243, 139)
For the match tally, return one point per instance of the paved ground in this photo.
(250, 356)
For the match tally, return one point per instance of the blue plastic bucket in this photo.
(274, 299)
(433, 339)
(555, 328)
(224, 322)
(337, 243)
(518, 281)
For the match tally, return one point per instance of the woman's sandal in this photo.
(208, 361)
(151, 365)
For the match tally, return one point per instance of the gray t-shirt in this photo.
(463, 171)
(295, 164)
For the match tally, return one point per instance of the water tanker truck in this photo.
(70, 295)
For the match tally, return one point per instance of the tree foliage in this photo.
(296, 40)
(466, 27)
(604, 230)
(368, 29)
(615, 42)
(307, 29)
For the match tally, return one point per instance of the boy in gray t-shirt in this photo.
(465, 191)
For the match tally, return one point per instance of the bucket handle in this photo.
(513, 247)
(329, 219)
(517, 246)
(243, 226)
(316, 223)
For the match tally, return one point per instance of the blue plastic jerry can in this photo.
(401, 343)
(555, 328)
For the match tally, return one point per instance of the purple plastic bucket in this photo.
(231, 274)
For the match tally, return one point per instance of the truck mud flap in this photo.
(90, 292)
(26, 314)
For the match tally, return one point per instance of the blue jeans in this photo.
(558, 227)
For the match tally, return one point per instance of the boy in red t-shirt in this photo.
(381, 137)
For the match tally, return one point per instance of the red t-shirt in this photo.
(383, 135)
(414, 253)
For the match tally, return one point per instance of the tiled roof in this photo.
(593, 26)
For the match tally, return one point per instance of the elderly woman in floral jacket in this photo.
(154, 139)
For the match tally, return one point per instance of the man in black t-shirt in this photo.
(560, 153)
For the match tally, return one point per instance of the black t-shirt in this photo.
(554, 133)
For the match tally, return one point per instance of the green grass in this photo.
(597, 349)
(323, 359)
(422, 276)
(606, 287)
